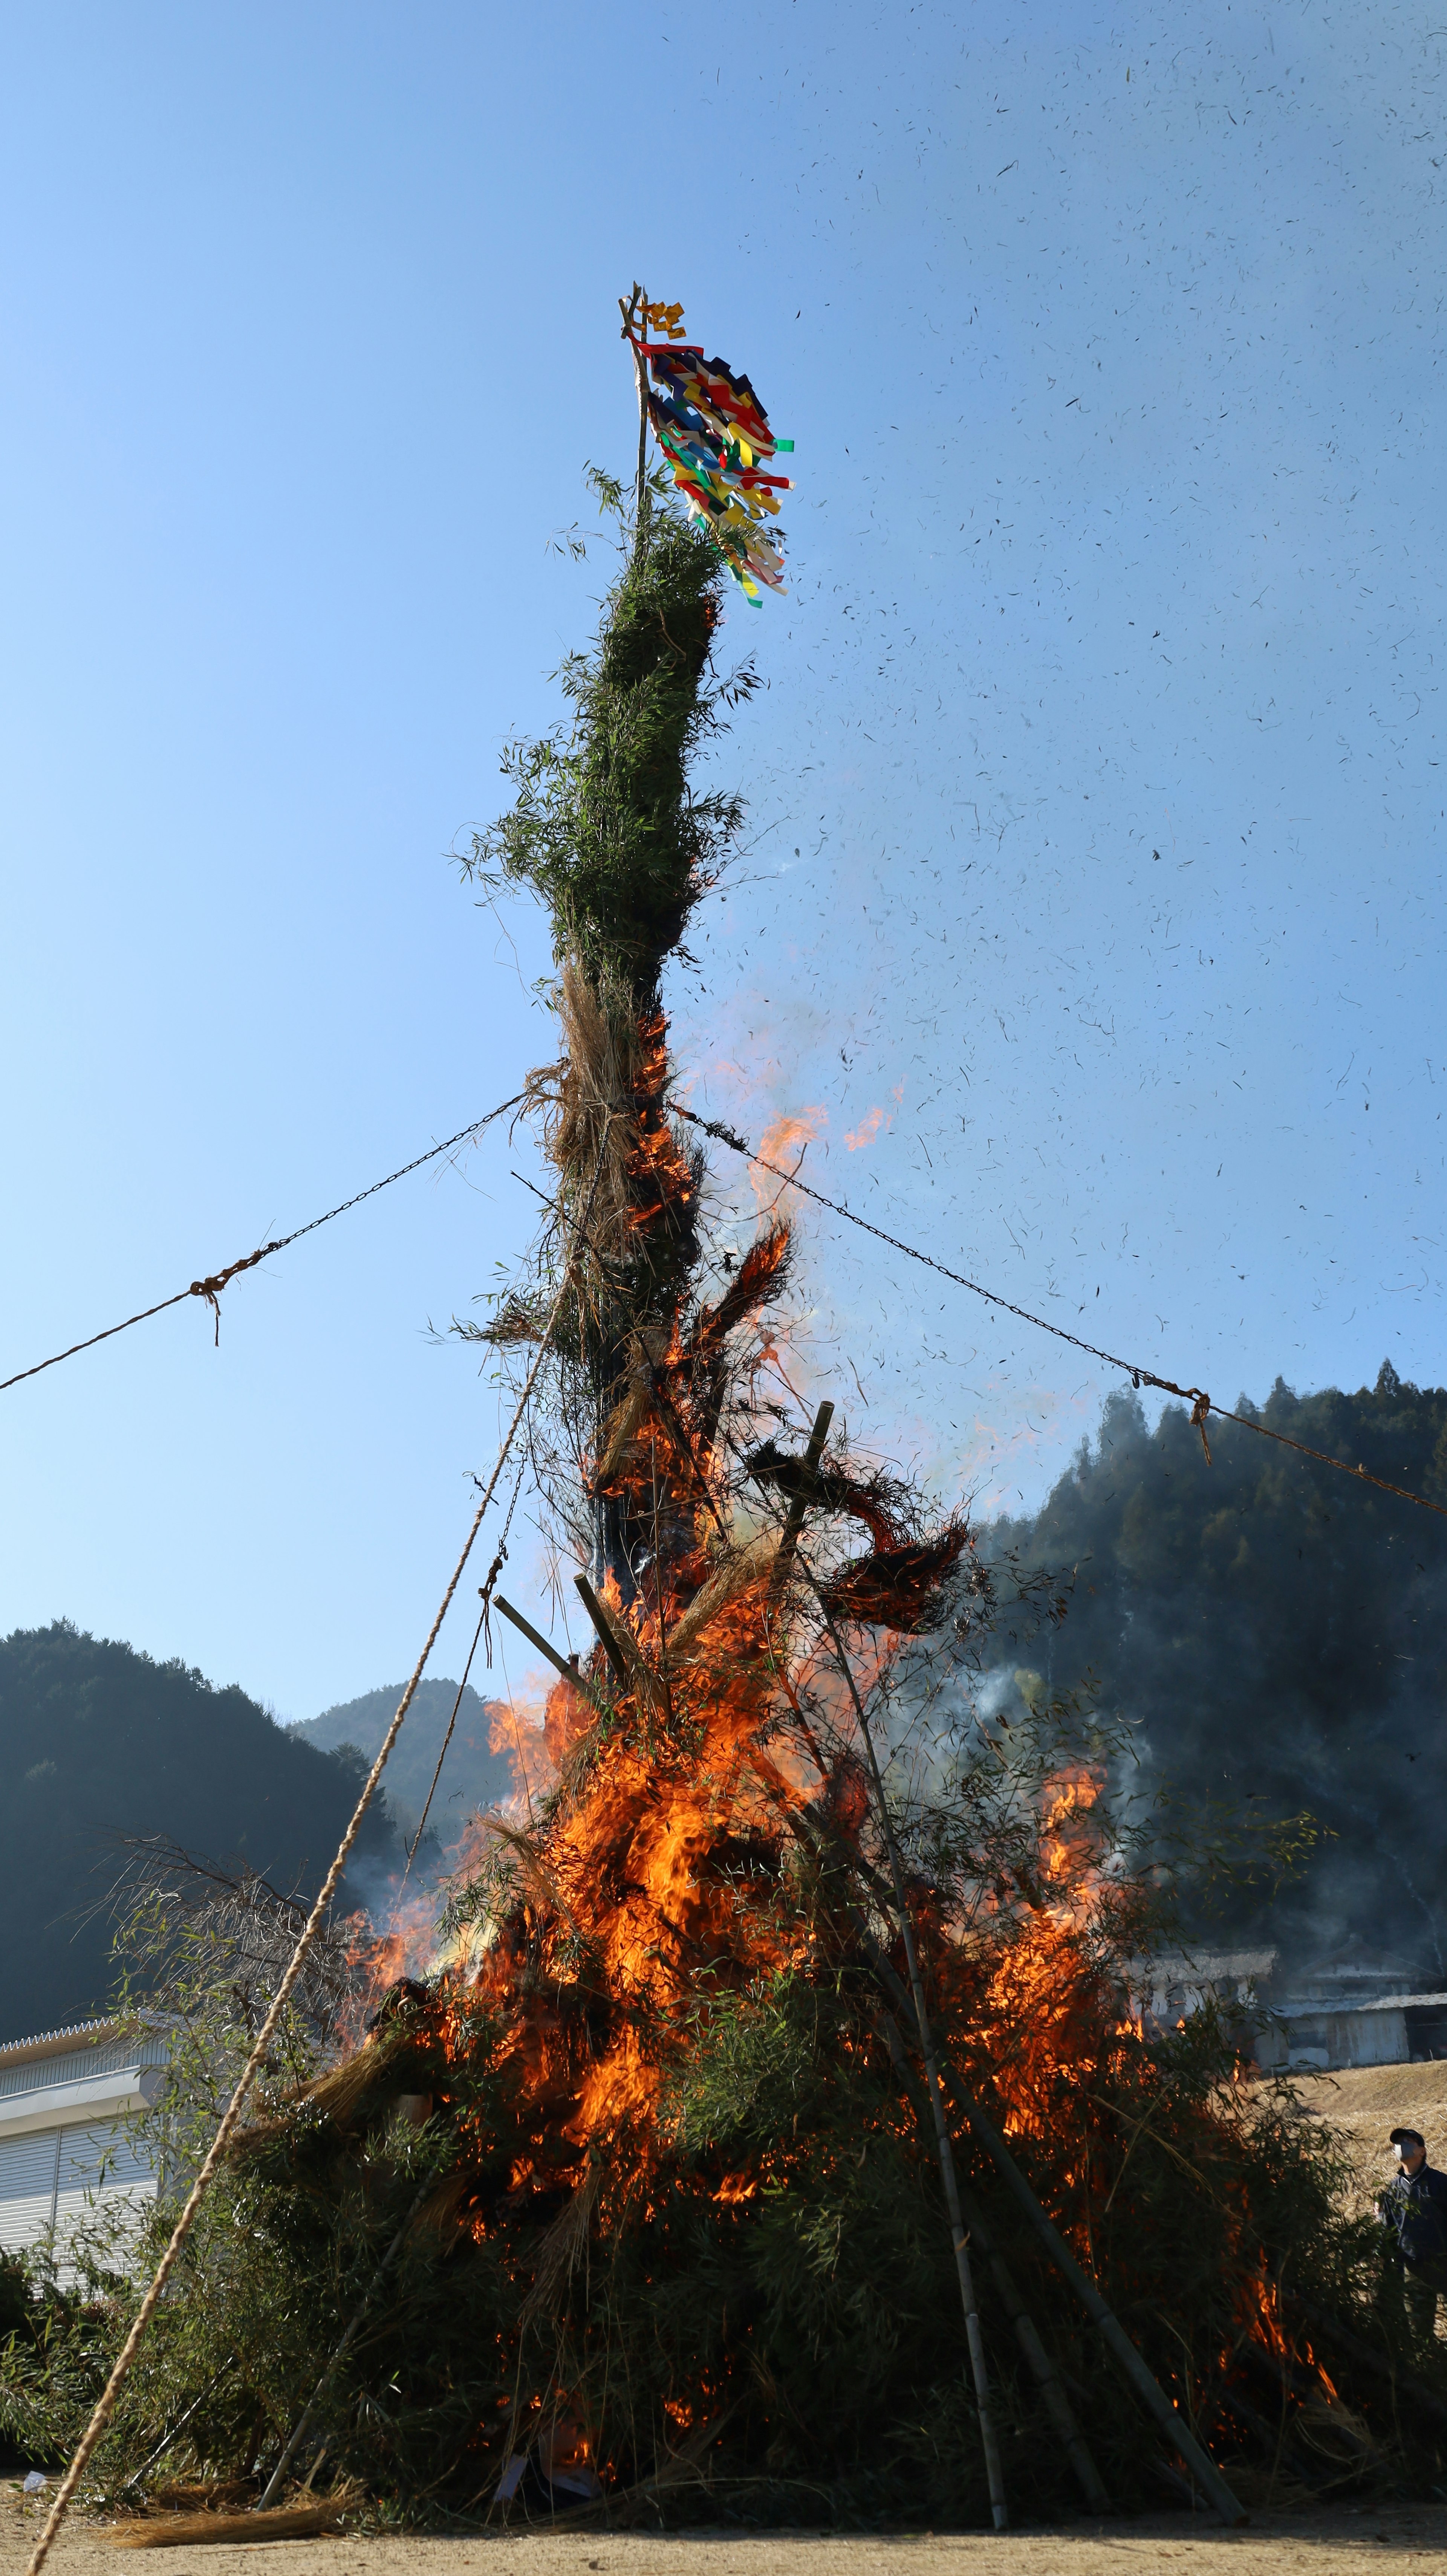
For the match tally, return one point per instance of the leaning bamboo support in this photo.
(974, 2336)
(634, 1671)
(1045, 2368)
(1113, 2334)
(1042, 2364)
(534, 1636)
(609, 1637)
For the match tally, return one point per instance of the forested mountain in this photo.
(97, 1742)
(474, 1776)
(1274, 1634)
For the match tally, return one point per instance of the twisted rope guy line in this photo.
(485, 1592)
(106, 2405)
(1196, 1396)
(211, 1288)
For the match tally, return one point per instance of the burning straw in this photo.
(634, 2205)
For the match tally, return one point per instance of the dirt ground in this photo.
(1283, 2544)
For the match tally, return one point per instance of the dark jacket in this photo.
(1414, 2214)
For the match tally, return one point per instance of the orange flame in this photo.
(782, 1142)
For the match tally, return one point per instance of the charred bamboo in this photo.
(1041, 2364)
(570, 1672)
(607, 1634)
(794, 1524)
(989, 2437)
(1113, 2334)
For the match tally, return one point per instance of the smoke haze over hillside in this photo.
(1273, 1637)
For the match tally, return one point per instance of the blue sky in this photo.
(1096, 805)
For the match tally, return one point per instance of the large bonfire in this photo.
(630, 2200)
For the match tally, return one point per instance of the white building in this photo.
(65, 2143)
(1349, 2010)
(1308, 2034)
(1163, 1991)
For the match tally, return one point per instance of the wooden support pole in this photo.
(607, 1634)
(789, 1538)
(1041, 2363)
(569, 1671)
(1147, 2387)
(637, 309)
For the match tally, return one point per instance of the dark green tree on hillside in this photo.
(100, 1742)
(1277, 1637)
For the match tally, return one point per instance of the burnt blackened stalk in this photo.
(994, 2467)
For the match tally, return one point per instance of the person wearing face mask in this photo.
(1413, 2212)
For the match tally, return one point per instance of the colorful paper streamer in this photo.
(715, 433)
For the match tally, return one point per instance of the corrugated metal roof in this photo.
(1313, 2008)
(48, 2038)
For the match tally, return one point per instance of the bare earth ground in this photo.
(1274, 2544)
(1362, 2104)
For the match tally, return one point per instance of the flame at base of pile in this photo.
(651, 2147)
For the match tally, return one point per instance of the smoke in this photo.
(1272, 1636)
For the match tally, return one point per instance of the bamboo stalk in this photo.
(1142, 2379)
(1042, 2364)
(994, 2465)
(607, 1634)
(789, 1538)
(638, 305)
(569, 1671)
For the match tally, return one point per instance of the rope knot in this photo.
(1199, 1411)
(485, 1592)
(211, 1288)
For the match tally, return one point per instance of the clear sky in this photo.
(1092, 908)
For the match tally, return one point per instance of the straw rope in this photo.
(106, 2404)
(1199, 1401)
(211, 1287)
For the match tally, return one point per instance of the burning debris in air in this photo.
(628, 2202)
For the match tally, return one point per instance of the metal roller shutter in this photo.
(98, 2166)
(28, 2169)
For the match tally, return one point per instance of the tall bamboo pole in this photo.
(1173, 2424)
(994, 2466)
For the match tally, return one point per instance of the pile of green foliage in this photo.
(606, 828)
